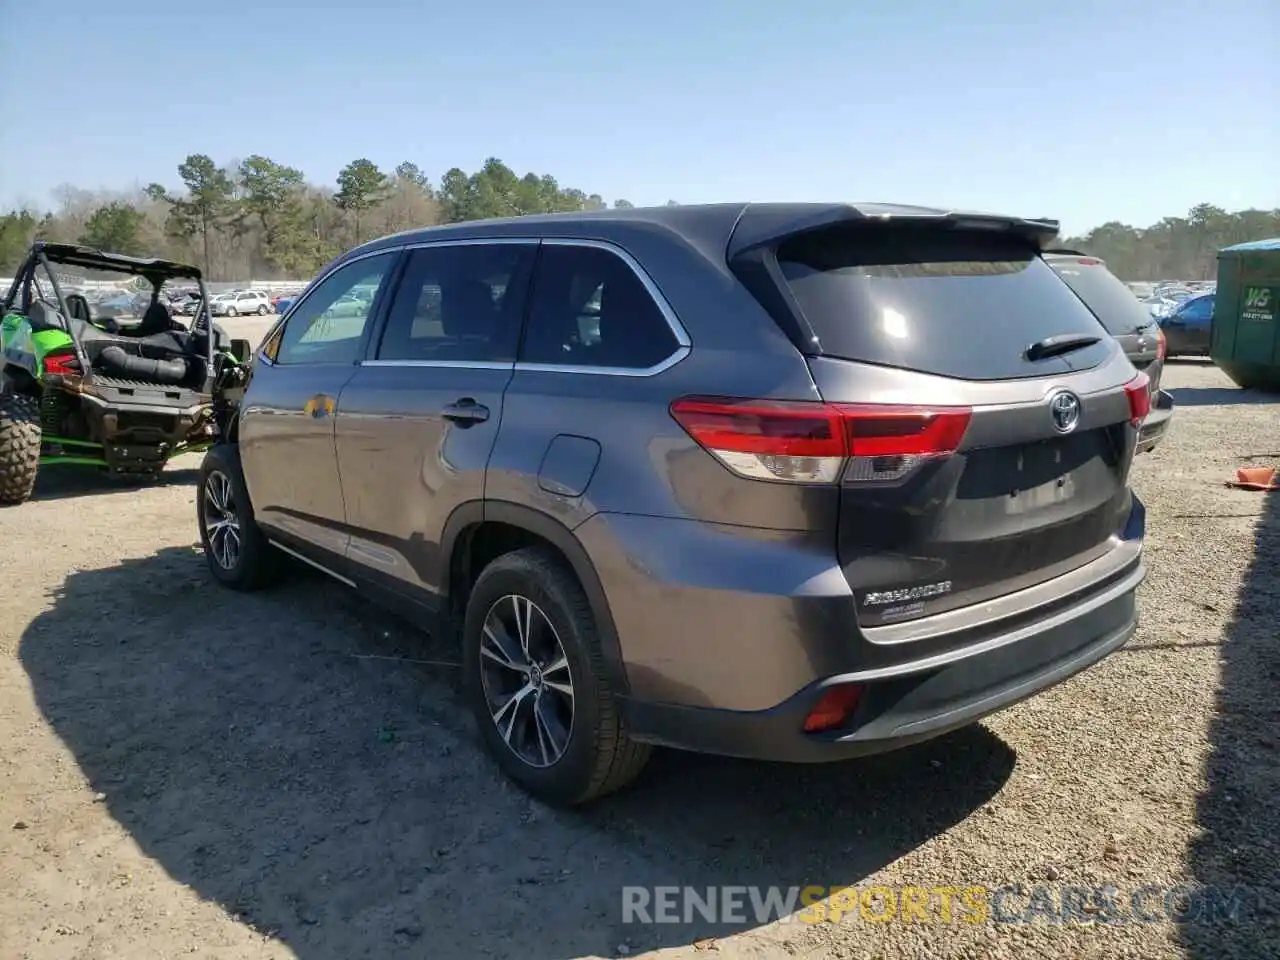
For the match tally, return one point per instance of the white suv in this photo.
(241, 302)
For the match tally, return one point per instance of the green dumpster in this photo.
(1245, 337)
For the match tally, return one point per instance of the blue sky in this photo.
(1086, 111)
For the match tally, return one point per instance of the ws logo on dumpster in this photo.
(1259, 304)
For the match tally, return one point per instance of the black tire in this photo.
(256, 563)
(598, 757)
(262, 311)
(19, 446)
(232, 312)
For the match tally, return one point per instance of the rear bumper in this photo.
(130, 418)
(1157, 423)
(916, 702)
(701, 669)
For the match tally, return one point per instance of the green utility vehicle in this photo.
(110, 382)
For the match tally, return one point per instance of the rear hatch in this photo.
(990, 419)
(1123, 314)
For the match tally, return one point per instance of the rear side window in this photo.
(588, 308)
(459, 304)
(1102, 292)
(956, 303)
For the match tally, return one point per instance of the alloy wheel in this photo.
(526, 679)
(221, 521)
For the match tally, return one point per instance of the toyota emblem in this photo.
(1064, 408)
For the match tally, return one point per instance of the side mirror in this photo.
(241, 350)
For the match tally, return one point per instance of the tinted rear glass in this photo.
(1109, 299)
(955, 303)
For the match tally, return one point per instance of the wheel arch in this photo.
(512, 527)
(23, 380)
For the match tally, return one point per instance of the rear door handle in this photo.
(466, 412)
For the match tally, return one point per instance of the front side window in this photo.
(329, 326)
(588, 308)
(459, 304)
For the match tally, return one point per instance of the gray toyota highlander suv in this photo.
(787, 481)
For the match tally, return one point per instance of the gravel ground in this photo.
(189, 772)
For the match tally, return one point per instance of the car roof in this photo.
(730, 228)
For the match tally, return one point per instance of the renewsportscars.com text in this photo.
(973, 904)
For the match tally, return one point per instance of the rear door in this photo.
(417, 422)
(990, 426)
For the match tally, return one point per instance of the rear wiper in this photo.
(1056, 346)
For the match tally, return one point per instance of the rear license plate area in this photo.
(1025, 468)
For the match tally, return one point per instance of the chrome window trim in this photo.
(657, 368)
(442, 364)
(684, 344)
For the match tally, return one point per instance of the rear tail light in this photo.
(1139, 392)
(835, 707)
(1162, 343)
(815, 442)
(61, 364)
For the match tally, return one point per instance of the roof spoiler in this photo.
(762, 226)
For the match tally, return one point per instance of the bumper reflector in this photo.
(835, 707)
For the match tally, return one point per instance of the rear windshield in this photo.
(957, 303)
(1110, 300)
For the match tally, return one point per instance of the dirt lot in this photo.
(189, 772)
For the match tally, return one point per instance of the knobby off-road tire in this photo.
(599, 757)
(221, 496)
(19, 446)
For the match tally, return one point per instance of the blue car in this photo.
(1187, 327)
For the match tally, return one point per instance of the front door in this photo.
(417, 422)
(289, 409)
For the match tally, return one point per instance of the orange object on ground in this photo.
(1255, 478)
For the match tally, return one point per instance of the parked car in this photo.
(188, 306)
(1133, 327)
(809, 482)
(1189, 325)
(239, 303)
(1165, 300)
